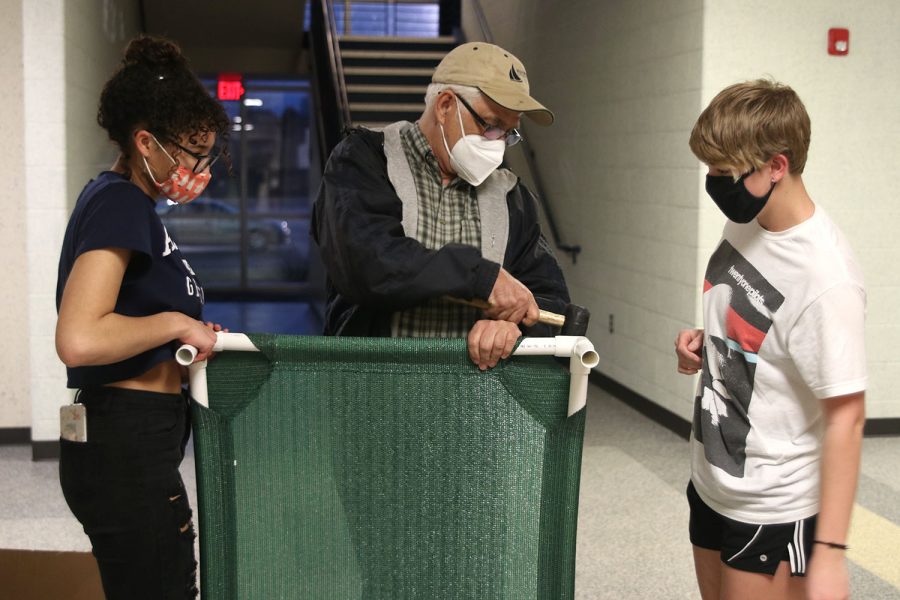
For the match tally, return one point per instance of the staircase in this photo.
(386, 77)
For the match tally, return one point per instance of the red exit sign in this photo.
(230, 87)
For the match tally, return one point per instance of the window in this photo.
(247, 235)
(249, 232)
(402, 18)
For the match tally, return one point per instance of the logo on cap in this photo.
(513, 75)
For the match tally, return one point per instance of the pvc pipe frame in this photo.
(579, 349)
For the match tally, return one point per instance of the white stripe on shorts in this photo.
(796, 550)
(750, 543)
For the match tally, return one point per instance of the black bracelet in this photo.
(832, 545)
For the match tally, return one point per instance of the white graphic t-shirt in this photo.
(784, 328)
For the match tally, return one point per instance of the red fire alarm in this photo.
(230, 86)
(838, 41)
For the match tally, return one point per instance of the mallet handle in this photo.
(544, 316)
(551, 318)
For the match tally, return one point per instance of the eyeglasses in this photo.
(492, 132)
(204, 161)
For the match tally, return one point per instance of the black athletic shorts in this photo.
(751, 547)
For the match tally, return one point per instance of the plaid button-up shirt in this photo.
(447, 214)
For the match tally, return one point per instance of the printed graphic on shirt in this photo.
(170, 245)
(192, 286)
(735, 290)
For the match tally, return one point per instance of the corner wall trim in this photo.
(646, 407)
(45, 450)
(877, 427)
(682, 428)
(15, 435)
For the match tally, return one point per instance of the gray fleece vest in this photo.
(491, 194)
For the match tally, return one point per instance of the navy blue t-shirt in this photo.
(112, 212)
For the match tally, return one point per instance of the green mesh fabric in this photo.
(376, 468)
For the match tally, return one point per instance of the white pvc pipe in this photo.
(582, 359)
(581, 351)
(199, 391)
(561, 345)
(186, 354)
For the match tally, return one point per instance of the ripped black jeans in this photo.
(123, 485)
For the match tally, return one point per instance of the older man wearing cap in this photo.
(419, 213)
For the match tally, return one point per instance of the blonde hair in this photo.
(747, 124)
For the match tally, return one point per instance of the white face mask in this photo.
(473, 157)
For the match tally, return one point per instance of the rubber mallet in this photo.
(574, 321)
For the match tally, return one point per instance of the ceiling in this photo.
(257, 36)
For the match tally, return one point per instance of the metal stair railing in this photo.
(330, 96)
(337, 62)
(530, 160)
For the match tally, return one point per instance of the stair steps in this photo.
(386, 77)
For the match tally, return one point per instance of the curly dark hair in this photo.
(154, 89)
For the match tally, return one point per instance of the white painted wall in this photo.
(69, 49)
(623, 78)
(45, 171)
(854, 157)
(627, 80)
(97, 32)
(15, 410)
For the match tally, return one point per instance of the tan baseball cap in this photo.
(498, 74)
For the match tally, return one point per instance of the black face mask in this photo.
(733, 199)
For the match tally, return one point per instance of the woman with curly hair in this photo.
(126, 298)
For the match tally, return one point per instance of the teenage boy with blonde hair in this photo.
(779, 412)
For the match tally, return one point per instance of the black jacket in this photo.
(374, 269)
